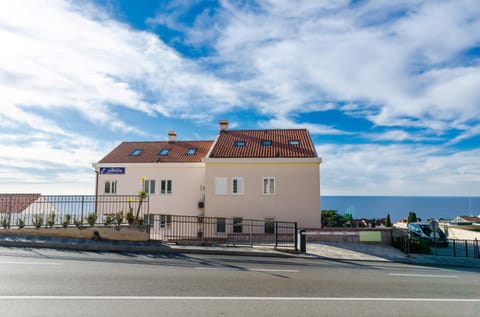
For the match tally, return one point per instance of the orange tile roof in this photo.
(16, 203)
(151, 152)
(225, 147)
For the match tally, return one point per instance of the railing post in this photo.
(81, 213)
(276, 234)
(455, 248)
(475, 248)
(466, 248)
(296, 237)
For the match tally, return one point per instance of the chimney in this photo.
(172, 136)
(223, 125)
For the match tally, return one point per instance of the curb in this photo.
(119, 246)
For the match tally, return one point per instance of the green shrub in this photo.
(20, 223)
(130, 217)
(421, 246)
(66, 220)
(51, 219)
(5, 220)
(37, 220)
(119, 218)
(78, 222)
(91, 219)
(109, 219)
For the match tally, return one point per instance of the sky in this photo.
(389, 90)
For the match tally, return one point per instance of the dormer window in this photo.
(294, 142)
(136, 152)
(266, 143)
(239, 143)
(191, 151)
(164, 152)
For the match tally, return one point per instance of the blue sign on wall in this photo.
(112, 170)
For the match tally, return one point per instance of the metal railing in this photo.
(222, 231)
(34, 210)
(451, 247)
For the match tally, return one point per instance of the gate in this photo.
(191, 230)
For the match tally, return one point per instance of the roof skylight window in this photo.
(164, 152)
(136, 152)
(191, 151)
(293, 142)
(239, 143)
(266, 143)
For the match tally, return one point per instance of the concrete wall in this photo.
(123, 233)
(296, 198)
(351, 235)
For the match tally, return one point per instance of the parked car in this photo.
(424, 230)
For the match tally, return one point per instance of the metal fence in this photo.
(453, 247)
(34, 210)
(222, 231)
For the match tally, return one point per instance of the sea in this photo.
(373, 207)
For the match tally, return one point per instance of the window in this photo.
(237, 185)
(164, 152)
(148, 219)
(221, 227)
(191, 151)
(166, 186)
(237, 225)
(165, 220)
(136, 152)
(266, 143)
(110, 187)
(239, 143)
(293, 142)
(220, 185)
(269, 225)
(149, 186)
(269, 185)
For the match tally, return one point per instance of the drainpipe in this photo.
(96, 190)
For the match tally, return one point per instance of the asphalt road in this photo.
(64, 283)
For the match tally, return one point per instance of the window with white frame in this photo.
(166, 186)
(165, 221)
(110, 187)
(237, 185)
(149, 186)
(269, 185)
(220, 185)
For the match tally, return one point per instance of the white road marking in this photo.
(242, 298)
(249, 270)
(275, 271)
(423, 275)
(30, 263)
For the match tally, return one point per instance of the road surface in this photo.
(42, 282)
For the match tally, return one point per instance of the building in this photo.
(465, 220)
(254, 174)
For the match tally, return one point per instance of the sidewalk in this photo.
(328, 251)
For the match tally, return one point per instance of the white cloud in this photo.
(395, 64)
(370, 169)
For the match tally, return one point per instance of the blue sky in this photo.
(389, 90)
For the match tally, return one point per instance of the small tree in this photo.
(92, 219)
(330, 218)
(388, 221)
(412, 217)
(66, 220)
(51, 219)
(37, 220)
